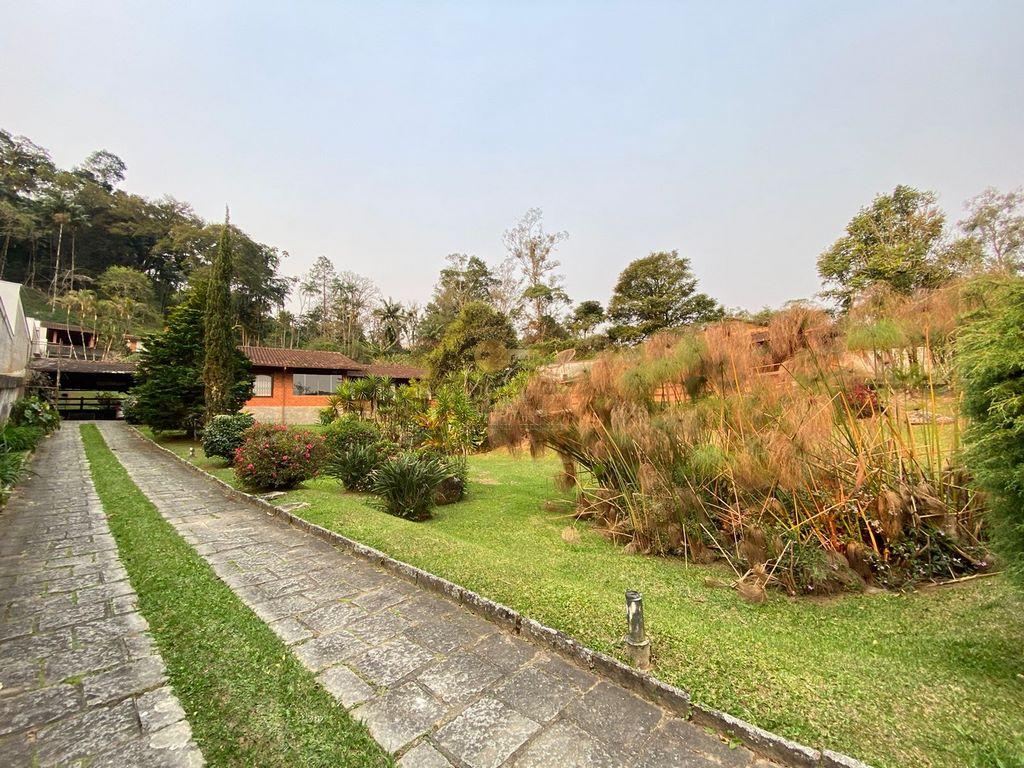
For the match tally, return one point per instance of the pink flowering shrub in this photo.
(274, 456)
(862, 399)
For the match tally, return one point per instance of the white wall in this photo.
(15, 346)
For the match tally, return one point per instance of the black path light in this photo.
(637, 644)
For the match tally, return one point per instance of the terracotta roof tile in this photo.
(53, 364)
(272, 357)
(395, 371)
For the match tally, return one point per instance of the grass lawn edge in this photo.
(247, 698)
(867, 700)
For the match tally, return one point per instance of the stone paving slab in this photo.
(436, 684)
(81, 681)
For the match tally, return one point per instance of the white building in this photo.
(15, 346)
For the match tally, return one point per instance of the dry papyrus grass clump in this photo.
(747, 445)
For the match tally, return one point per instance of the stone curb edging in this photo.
(676, 700)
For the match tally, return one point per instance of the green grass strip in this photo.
(250, 702)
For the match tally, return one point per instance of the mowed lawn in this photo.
(249, 700)
(934, 678)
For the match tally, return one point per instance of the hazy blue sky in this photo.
(386, 135)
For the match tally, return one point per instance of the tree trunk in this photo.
(31, 277)
(56, 266)
(3, 258)
(72, 285)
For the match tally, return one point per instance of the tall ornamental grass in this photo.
(754, 445)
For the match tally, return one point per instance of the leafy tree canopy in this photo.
(586, 317)
(531, 253)
(656, 293)
(893, 241)
(995, 222)
(478, 325)
(340, 307)
(465, 279)
(60, 230)
(125, 283)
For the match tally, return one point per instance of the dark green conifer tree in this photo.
(218, 338)
(168, 394)
(991, 362)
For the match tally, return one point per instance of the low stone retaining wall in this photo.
(674, 699)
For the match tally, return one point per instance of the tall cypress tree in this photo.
(219, 365)
(168, 393)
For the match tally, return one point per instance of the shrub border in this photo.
(676, 700)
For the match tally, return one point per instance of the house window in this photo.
(315, 383)
(263, 386)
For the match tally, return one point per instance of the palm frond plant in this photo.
(451, 423)
(12, 470)
(405, 484)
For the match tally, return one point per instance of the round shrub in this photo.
(353, 465)
(130, 409)
(350, 430)
(224, 434)
(405, 484)
(272, 457)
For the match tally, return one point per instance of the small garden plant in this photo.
(276, 457)
(33, 411)
(349, 430)
(405, 484)
(453, 487)
(225, 434)
(30, 420)
(377, 420)
(23, 438)
(355, 464)
(355, 448)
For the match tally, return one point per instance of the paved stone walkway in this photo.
(434, 683)
(82, 681)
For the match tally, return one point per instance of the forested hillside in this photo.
(85, 247)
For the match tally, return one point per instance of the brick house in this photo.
(292, 385)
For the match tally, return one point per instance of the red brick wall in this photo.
(284, 407)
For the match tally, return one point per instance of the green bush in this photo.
(130, 409)
(34, 412)
(350, 430)
(14, 438)
(991, 362)
(326, 415)
(274, 457)
(354, 465)
(405, 484)
(453, 487)
(224, 434)
(12, 469)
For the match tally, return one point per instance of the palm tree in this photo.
(391, 320)
(372, 389)
(62, 212)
